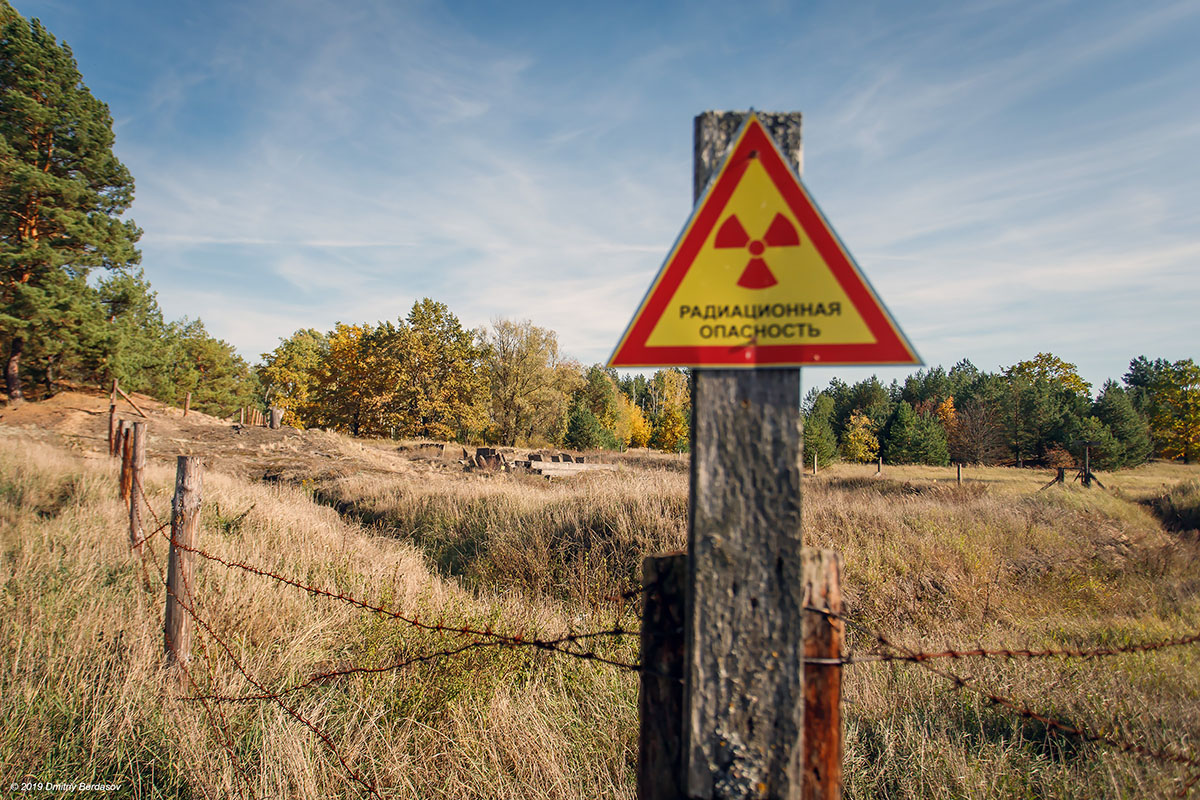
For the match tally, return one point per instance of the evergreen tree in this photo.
(1114, 408)
(62, 191)
(1107, 453)
(819, 437)
(913, 438)
(584, 431)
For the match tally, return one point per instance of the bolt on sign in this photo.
(758, 278)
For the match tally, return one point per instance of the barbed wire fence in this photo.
(200, 684)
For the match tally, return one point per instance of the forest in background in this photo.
(76, 309)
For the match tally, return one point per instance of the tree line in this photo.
(63, 194)
(1035, 412)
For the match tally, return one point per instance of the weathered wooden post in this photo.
(113, 422)
(242, 419)
(126, 458)
(756, 285)
(879, 467)
(136, 493)
(744, 684)
(185, 527)
(814, 463)
(959, 473)
(824, 635)
(187, 404)
(660, 698)
(276, 418)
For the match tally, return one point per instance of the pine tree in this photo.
(819, 438)
(1115, 409)
(62, 191)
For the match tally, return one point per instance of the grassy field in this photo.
(83, 697)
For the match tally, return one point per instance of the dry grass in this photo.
(83, 698)
(927, 562)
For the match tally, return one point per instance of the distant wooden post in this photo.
(126, 458)
(660, 699)
(879, 468)
(824, 635)
(137, 463)
(959, 465)
(113, 424)
(185, 528)
(242, 421)
(187, 403)
(276, 418)
(744, 684)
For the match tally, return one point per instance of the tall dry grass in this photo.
(83, 697)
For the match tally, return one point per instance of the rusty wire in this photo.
(558, 644)
(1020, 709)
(217, 720)
(289, 709)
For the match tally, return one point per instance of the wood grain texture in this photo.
(824, 636)
(660, 699)
(137, 465)
(744, 679)
(185, 529)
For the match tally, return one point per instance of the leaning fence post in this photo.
(660, 699)
(126, 449)
(185, 527)
(823, 638)
(137, 463)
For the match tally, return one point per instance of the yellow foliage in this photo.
(859, 443)
(639, 427)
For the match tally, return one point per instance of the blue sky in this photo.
(1013, 177)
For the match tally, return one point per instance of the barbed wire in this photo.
(287, 708)
(223, 726)
(559, 643)
(1020, 709)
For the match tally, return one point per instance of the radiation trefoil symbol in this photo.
(780, 233)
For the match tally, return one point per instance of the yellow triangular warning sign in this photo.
(759, 278)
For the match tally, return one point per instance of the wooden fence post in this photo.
(744, 696)
(187, 404)
(185, 527)
(126, 458)
(660, 699)
(113, 422)
(137, 465)
(242, 419)
(277, 418)
(879, 468)
(814, 463)
(823, 638)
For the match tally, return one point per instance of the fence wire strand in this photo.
(924, 660)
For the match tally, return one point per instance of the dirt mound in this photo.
(79, 419)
